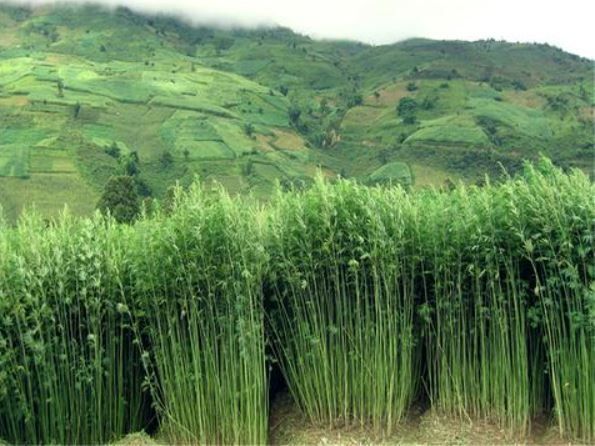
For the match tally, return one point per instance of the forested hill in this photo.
(86, 94)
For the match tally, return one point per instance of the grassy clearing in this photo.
(450, 130)
(396, 173)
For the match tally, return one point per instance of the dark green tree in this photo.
(166, 159)
(406, 109)
(120, 199)
(114, 150)
(294, 114)
(249, 129)
(131, 164)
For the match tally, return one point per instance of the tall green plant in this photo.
(477, 353)
(558, 242)
(343, 278)
(198, 279)
(68, 371)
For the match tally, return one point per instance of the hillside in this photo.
(86, 93)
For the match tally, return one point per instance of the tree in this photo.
(142, 187)
(249, 129)
(114, 150)
(411, 86)
(120, 199)
(406, 109)
(131, 164)
(294, 114)
(247, 168)
(354, 99)
(131, 167)
(166, 159)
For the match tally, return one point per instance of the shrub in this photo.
(411, 86)
(120, 199)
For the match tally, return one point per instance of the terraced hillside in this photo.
(87, 93)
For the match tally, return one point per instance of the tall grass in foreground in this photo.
(477, 352)
(512, 302)
(343, 277)
(198, 280)
(481, 299)
(68, 374)
(559, 243)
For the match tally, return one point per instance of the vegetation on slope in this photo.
(83, 89)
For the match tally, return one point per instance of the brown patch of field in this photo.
(587, 113)
(362, 115)
(8, 33)
(285, 140)
(313, 171)
(524, 98)
(425, 176)
(8, 39)
(14, 101)
(389, 95)
(263, 143)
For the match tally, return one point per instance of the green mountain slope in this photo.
(86, 93)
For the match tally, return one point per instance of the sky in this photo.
(567, 24)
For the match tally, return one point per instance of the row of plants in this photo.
(480, 301)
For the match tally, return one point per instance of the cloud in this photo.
(566, 24)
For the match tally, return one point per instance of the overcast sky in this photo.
(568, 24)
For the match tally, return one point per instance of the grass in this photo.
(204, 324)
(372, 301)
(70, 372)
(341, 305)
(450, 131)
(398, 173)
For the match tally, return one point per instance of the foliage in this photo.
(392, 173)
(478, 300)
(406, 108)
(198, 288)
(120, 199)
(74, 80)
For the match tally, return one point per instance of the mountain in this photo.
(87, 93)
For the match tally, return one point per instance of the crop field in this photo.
(476, 303)
(193, 101)
(160, 116)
